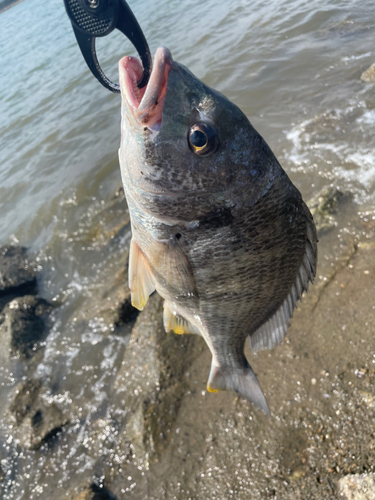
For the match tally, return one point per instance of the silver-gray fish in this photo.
(218, 229)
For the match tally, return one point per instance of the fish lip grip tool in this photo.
(98, 18)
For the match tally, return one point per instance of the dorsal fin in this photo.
(273, 331)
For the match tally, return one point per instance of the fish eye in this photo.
(203, 139)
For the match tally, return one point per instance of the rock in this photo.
(119, 310)
(23, 325)
(100, 492)
(92, 492)
(37, 419)
(107, 229)
(45, 423)
(84, 495)
(16, 274)
(124, 312)
(26, 394)
(357, 487)
(111, 222)
(102, 436)
(369, 75)
(111, 303)
(150, 382)
(324, 206)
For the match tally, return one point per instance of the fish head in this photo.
(184, 140)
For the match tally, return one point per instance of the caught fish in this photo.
(218, 229)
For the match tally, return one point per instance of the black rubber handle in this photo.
(98, 18)
(128, 25)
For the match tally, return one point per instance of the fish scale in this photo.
(224, 238)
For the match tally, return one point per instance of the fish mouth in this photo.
(145, 105)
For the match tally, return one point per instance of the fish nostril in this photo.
(178, 236)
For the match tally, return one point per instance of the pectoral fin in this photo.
(141, 282)
(173, 267)
(176, 323)
(241, 380)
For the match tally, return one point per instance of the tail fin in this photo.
(241, 380)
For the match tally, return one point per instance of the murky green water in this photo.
(292, 66)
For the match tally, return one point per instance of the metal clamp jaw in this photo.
(98, 18)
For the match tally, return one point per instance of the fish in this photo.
(218, 229)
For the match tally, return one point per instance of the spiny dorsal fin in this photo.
(176, 323)
(141, 282)
(273, 332)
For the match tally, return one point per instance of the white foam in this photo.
(356, 58)
(365, 173)
(342, 141)
(368, 117)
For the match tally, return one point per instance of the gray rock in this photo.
(111, 303)
(118, 311)
(45, 422)
(369, 75)
(26, 394)
(150, 382)
(108, 224)
(324, 206)
(16, 274)
(100, 492)
(35, 416)
(86, 494)
(92, 492)
(357, 487)
(23, 325)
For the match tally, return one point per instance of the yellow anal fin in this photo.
(141, 282)
(177, 324)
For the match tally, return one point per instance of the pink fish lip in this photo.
(146, 104)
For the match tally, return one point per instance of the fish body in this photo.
(218, 229)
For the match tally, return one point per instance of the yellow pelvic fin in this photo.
(176, 323)
(141, 282)
(209, 388)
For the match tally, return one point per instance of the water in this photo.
(293, 67)
(288, 65)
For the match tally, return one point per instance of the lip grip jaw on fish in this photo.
(98, 18)
(146, 104)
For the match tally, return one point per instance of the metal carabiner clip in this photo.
(98, 18)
